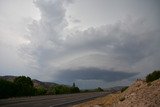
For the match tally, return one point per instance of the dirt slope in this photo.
(139, 94)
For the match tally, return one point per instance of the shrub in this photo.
(121, 98)
(124, 88)
(24, 86)
(7, 89)
(40, 90)
(99, 89)
(74, 90)
(153, 76)
(63, 89)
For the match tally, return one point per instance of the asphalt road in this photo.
(51, 100)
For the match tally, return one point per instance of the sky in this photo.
(94, 43)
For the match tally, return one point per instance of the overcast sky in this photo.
(94, 43)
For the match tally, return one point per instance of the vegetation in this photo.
(124, 88)
(7, 89)
(99, 89)
(121, 98)
(40, 91)
(153, 76)
(63, 89)
(23, 86)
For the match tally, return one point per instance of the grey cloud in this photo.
(45, 35)
(122, 46)
(123, 41)
(13, 21)
(76, 21)
(45, 48)
(51, 23)
(51, 11)
(93, 74)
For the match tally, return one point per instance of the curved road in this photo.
(51, 100)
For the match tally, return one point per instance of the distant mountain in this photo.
(36, 83)
(46, 85)
(8, 77)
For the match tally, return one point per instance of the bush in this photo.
(7, 89)
(124, 88)
(153, 76)
(63, 89)
(40, 91)
(24, 86)
(74, 89)
(121, 98)
(99, 89)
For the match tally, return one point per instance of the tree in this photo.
(124, 88)
(75, 90)
(61, 89)
(153, 76)
(50, 91)
(24, 86)
(99, 89)
(7, 89)
(73, 85)
(40, 90)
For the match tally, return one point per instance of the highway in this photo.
(51, 100)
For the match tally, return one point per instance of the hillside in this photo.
(36, 83)
(46, 85)
(8, 77)
(139, 94)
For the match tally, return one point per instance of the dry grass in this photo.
(102, 102)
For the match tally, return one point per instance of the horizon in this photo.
(62, 83)
(91, 43)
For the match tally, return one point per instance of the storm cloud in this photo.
(71, 75)
(65, 44)
(123, 46)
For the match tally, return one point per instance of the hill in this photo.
(8, 77)
(46, 85)
(114, 89)
(36, 83)
(139, 94)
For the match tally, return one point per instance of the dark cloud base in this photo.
(93, 74)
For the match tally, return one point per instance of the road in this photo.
(50, 100)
